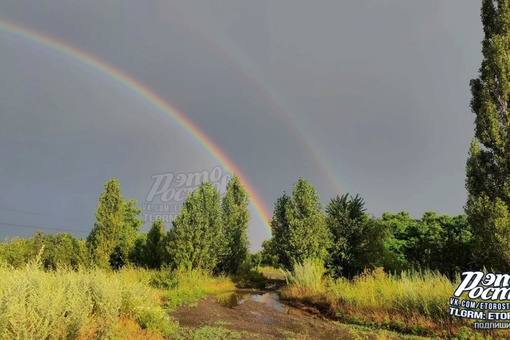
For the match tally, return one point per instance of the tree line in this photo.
(348, 240)
(209, 234)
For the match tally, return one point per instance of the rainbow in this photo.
(239, 61)
(146, 94)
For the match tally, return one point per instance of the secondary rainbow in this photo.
(146, 94)
(229, 51)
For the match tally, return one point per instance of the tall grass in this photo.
(66, 304)
(184, 287)
(426, 293)
(414, 302)
(307, 274)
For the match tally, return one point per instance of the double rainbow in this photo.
(142, 92)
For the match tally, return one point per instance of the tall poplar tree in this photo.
(299, 226)
(488, 165)
(124, 251)
(309, 232)
(195, 240)
(234, 217)
(107, 230)
(279, 246)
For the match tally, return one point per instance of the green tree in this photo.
(195, 240)
(488, 165)
(256, 259)
(346, 220)
(309, 231)
(280, 245)
(456, 255)
(138, 256)
(372, 250)
(123, 252)
(18, 252)
(63, 249)
(395, 242)
(439, 243)
(234, 217)
(299, 226)
(425, 242)
(154, 251)
(268, 253)
(108, 229)
(436, 242)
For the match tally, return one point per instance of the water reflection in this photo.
(233, 299)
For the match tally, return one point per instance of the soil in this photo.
(259, 315)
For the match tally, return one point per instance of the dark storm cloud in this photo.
(381, 87)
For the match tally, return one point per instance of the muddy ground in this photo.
(260, 315)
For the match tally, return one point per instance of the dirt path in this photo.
(258, 315)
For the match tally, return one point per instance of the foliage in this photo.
(413, 302)
(308, 230)
(154, 246)
(138, 255)
(189, 286)
(111, 242)
(60, 250)
(307, 275)
(435, 242)
(248, 275)
(234, 217)
(355, 241)
(107, 231)
(268, 253)
(65, 304)
(195, 240)
(280, 245)
(440, 243)
(457, 254)
(299, 226)
(64, 250)
(396, 246)
(254, 259)
(124, 251)
(347, 223)
(18, 252)
(488, 165)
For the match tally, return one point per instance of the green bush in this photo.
(307, 275)
(164, 279)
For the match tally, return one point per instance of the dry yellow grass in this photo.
(66, 304)
(414, 303)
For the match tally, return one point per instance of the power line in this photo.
(3, 224)
(39, 214)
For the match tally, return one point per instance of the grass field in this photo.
(134, 303)
(95, 304)
(412, 303)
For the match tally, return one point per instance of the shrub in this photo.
(65, 304)
(306, 275)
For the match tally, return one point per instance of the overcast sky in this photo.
(368, 97)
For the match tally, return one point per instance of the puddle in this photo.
(234, 299)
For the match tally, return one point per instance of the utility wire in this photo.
(39, 214)
(3, 224)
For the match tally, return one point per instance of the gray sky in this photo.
(368, 97)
